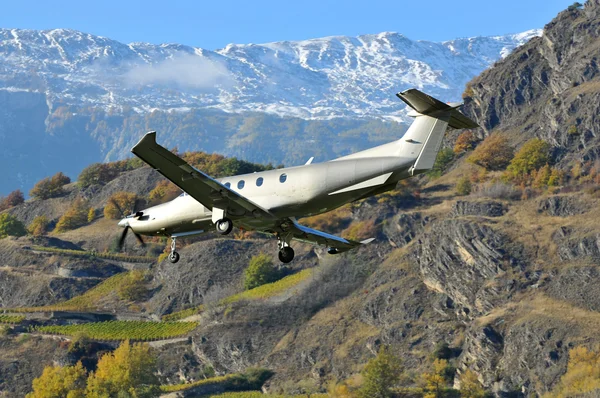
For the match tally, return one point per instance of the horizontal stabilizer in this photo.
(429, 106)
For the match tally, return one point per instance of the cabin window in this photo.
(228, 184)
(259, 181)
(241, 184)
(282, 178)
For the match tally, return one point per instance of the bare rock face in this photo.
(467, 261)
(571, 246)
(484, 208)
(403, 228)
(577, 285)
(547, 88)
(561, 206)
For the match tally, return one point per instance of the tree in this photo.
(50, 187)
(76, 216)
(463, 186)
(164, 191)
(443, 159)
(470, 387)
(582, 376)
(120, 204)
(11, 226)
(466, 141)
(494, 153)
(128, 371)
(60, 382)
(13, 199)
(436, 381)
(380, 375)
(534, 154)
(39, 226)
(91, 215)
(260, 271)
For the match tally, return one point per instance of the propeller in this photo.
(124, 223)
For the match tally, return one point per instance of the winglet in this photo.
(309, 161)
(367, 241)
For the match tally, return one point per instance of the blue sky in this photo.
(213, 24)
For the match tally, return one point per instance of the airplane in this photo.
(271, 201)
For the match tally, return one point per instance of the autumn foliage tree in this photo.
(494, 153)
(50, 187)
(582, 377)
(60, 382)
(76, 216)
(128, 371)
(470, 387)
(533, 155)
(466, 141)
(12, 199)
(39, 226)
(103, 173)
(164, 191)
(380, 375)
(120, 205)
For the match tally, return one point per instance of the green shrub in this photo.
(442, 161)
(50, 187)
(494, 153)
(463, 186)
(260, 271)
(380, 375)
(11, 226)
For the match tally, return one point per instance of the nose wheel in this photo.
(174, 256)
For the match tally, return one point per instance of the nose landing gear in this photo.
(224, 226)
(174, 256)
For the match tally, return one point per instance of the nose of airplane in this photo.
(123, 223)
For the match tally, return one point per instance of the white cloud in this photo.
(182, 70)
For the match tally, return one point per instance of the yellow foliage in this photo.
(494, 153)
(39, 226)
(360, 230)
(120, 204)
(59, 382)
(76, 216)
(470, 387)
(164, 191)
(131, 369)
(582, 376)
(465, 142)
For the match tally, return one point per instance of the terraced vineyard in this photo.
(271, 289)
(176, 316)
(123, 330)
(11, 319)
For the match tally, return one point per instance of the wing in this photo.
(304, 234)
(206, 190)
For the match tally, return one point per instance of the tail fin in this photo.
(427, 131)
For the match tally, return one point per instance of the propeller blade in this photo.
(139, 238)
(123, 236)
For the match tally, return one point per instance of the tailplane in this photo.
(432, 118)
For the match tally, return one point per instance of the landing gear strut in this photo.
(224, 226)
(286, 253)
(174, 256)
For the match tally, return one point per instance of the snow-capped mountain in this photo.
(312, 79)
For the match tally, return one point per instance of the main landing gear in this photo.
(286, 253)
(224, 226)
(174, 256)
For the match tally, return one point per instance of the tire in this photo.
(174, 257)
(286, 254)
(224, 226)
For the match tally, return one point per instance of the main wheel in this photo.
(286, 254)
(174, 257)
(224, 226)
